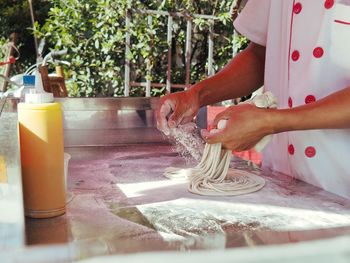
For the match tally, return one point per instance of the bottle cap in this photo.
(38, 95)
(28, 80)
(37, 98)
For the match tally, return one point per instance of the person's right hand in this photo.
(176, 108)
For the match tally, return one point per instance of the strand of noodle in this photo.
(210, 175)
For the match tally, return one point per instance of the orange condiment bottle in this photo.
(3, 171)
(42, 158)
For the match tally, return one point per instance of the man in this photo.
(300, 52)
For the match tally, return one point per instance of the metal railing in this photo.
(148, 84)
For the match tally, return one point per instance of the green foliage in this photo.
(15, 18)
(93, 31)
(3, 42)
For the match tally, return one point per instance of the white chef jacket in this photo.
(307, 58)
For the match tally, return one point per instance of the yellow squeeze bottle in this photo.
(3, 172)
(42, 154)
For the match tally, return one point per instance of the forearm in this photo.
(331, 112)
(240, 77)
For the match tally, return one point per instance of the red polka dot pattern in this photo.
(328, 4)
(295, 55)
(297, 8)
(310, 151)
(291, 149)
(310, 99)
(318, 52)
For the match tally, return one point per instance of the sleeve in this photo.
(252, 22)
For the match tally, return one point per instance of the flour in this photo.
(186, 217)
(166, 211)
(188, 143)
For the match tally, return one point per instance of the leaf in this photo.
(97, 44)
(100, 24)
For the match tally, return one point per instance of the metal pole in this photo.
(127, 53)
(178, 14)
(210, 48)
(33, 24)
(148, 81)
(169, 41)
(188, 52)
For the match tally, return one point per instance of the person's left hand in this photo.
(246, 126)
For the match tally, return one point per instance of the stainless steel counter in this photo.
(11, 201)
(109, 121)
(119, 202)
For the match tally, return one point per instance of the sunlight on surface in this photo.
(206, 216)
(138, 189)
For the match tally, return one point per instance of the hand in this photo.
(246, 126)
(177, 108)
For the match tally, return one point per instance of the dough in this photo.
(213, 177)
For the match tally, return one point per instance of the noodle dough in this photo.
(213, 177)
